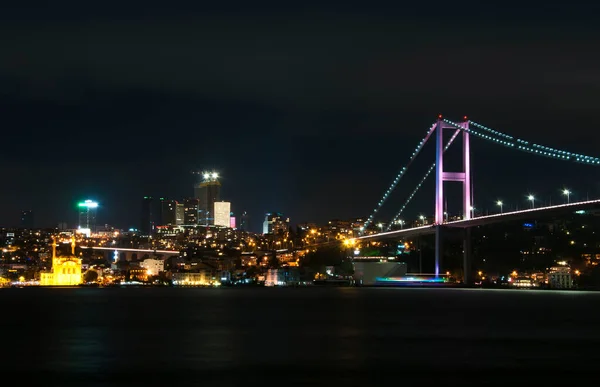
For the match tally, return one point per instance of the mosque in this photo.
(66, 270)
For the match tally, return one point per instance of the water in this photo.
(297, 336)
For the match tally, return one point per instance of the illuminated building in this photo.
(179, 214)
(153, 266)
(559, 277)
(168, 212)
(202, 278)
(208, 191)
(232, 222)
(190, 211)
(146, 223)
(276, 224)
(282, 277)
(66, 270)
(87, 215)
(138, 275)
(222, 211)
(523, 282)
(27, 219)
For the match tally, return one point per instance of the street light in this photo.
(532, 199)
(380, 225)
(499, 202)
(401, 223)
(568, 194)
(472, 209)
(422, 218)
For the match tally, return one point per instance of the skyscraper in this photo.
(208, 191)
(27, 219)
(147, 221)
(179, 213)
(168, 212)
(244, 222)
(222, 213)
(87, 215)
(190, 211)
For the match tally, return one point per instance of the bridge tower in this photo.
(441, 176)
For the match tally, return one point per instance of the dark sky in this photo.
(309, 110)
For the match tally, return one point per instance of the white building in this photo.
(222, 214)
(559, 277)
(274, 277)
(153, 265)
(282, 277)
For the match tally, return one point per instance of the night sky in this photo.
(309, 110)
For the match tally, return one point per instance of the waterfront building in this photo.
(201, 278)
(559, 277)
(285, 276)
(66, 270)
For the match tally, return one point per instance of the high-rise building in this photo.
(168, 212)
(244, 219)
(179, 213)
(147, 219)
(190, 211)
(87, 215)
(222, 211)
(208, 191)
(27, 219)
(276, 224)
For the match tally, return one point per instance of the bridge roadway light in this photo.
(531, 198)
(380, 225)
(567, 193)
(499, 202)
(422, 218)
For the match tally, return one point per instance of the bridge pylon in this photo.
(463, 177)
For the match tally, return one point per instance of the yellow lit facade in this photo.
(66, 271)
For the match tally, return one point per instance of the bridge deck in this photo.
(488, 219)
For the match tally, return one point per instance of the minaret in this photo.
(73, 245)
(53, 248)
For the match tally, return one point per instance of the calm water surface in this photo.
(298, 336)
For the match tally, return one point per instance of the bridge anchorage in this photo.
(466, 128)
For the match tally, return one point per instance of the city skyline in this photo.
(315, 128)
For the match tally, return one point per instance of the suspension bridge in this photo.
(465, 129)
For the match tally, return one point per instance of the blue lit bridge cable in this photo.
(399, 176)
(413, 193)
(525, 146)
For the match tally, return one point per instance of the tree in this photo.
(274, 262)
(90, 276)
(324, 256)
